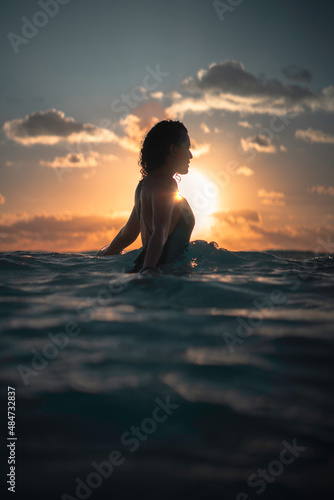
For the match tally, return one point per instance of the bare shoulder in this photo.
(138, 189)
(156, 188)
(166, 185)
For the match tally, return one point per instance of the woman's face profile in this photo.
(183, 156)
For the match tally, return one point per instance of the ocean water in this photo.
(212, 380)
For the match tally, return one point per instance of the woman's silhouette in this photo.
(163, 217)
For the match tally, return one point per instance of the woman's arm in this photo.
(163, 199)
(127, 235)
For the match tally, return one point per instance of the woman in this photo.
(163, 217)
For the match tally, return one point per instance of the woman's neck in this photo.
(162, 173)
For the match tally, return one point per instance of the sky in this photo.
(82, 83)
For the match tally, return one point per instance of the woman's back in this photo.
(181, 225)
(143, 201)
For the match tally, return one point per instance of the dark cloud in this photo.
(227, 86)
(244, 230)
(74, 158)
(51, 126)
(231, 77)
(296, 73)
(64, 231)
(296, 237)
(47, 123)
(260, 142)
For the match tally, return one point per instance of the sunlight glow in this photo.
(203, 195)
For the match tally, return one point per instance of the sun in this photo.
(202, 194)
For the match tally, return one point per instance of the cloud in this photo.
(323, 190)
(2, 199)
(231, 77)
(198, 150)
(205, 128)
(235, 230)
(246, 171)
(245, 124)
(271, 197)
(157, 95)
(78, 160)
(313, 136)
(237, 233)
(303, 237)
(171, 94)
(228, 86)
(62, 232)
(259, 142)
(228, 102)
(51, 126)
(135, 130)
(282, 148)
(175, 95)
(237, 216)
(296, 73)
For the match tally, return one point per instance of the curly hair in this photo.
(155, 146)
